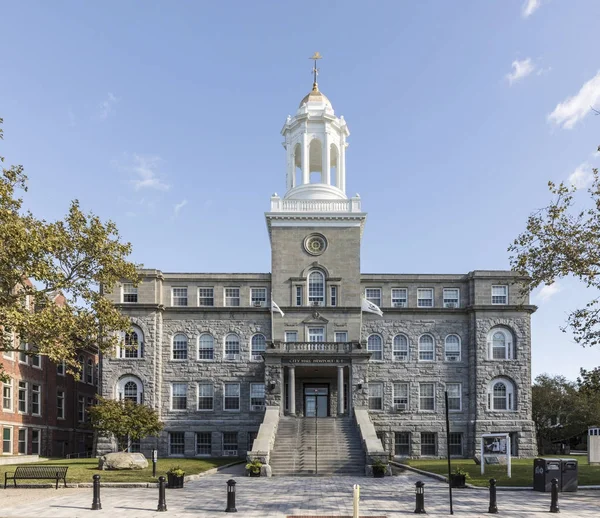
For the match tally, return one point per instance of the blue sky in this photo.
(165, 117)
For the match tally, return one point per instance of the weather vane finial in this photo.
(315, 70)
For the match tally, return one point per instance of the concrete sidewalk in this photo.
(290, 496)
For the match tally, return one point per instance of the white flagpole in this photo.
(361, 322)
(272, 319)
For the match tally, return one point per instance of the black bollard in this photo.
(493, 509)
(231, 497)
(96, 505)
(554, 499)
(162, 500)
(420, 497)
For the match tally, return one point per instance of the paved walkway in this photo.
(290, 496)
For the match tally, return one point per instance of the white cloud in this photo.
(548, 291)
(520, 69)
(575, 108)
(145, 167)
(530, 7)
(107, 106)
(582, 177)
(179, 206)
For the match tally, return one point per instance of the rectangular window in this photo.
(60, 404)
(451, 297)
(22, 441)
(22, 397)
(258, 297)
(61, 368)
(89, 372)
(333, 295)
(130, 293)
(36, 359)
(456, 444)
(23, 358)
(206, 296)
(81, 409)
(257, 396)
(7, 396)
(291, 336)
(428, 443)
(316, 334)
(425, 297)
(399, 297)
(400, 396)
(176, 443)
(7, 440)
(36, 399)
(206, 347)
(35, 442)
(499, 294)
(203, 443)
(230, 443)
(341, 336)
(298, 295)
(180, 297)
(232, 297)
(373, 295)
(426, 396)
(402, 444)
(206, 396)
(454, 396)
(90, 403)
(232, 396)
(179, 396)
(375, 396)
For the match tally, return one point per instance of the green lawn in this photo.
(522, 471)
(82, 470)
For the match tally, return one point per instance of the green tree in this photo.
(126, 420)
(72, 257)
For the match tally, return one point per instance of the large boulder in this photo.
(122, 460)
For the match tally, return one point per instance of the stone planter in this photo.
(457, 480)
(254, 473)
(174, 482)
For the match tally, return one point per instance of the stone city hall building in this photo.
(211, 354)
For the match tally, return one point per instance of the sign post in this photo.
(154, 459)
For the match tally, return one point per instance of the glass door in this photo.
(316, 401)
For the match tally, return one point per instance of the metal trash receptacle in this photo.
(569, 475)
(544, 470)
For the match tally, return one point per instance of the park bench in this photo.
(37, 472)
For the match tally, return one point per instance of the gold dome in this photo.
(315, 96)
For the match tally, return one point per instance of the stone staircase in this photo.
(336, 442)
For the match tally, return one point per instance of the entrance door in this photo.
(316, 401)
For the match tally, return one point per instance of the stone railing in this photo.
(326, 347)
(372, 444)
(265, 439)
(282, 205)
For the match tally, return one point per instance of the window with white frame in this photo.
(232, 396)
(230, 443)
(501, 395)
(129, 388)
(180, 347)
(7, 439)
(36, 399)
(428, 443)
(291, 336)
(455, 444)
(130, 293)
(258, 345)
(451, 297)
(425, 297)
(81, 409)
(452, 348)
(500, 294)
(23, 357)
(426, 348)
(373, 295)
(61, 368)
(206, 396)
(130, 391)
(299, 296)
(375, 347)
(232, 347)
(206, 347)
(257, 396)
(22, 441)
(22, 397)
(232, 297)
(36, 359)
(454, 396)
(176, 443)
(375, 396)
(402, 443)
(36, 436)
(400, 396)
(500, 344)
(203, 443)
(60, 404)
(400, 348)
(316, 334)
(258, 297)
(206, 296)
(316, 288)
(7, 396)
(426, 396)
(341, 336)
(9, 355)
(399, 297)
(178, 396)
(333, 295)
(180, 296)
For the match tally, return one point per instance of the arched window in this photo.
(501, 395)
(375, 346)
(180, 347)
(315, 152)
(129, 388)
(426, 348)
(500, 344)
(259, 344)
(232, 347)
(206, 347)
(133, 344)
(333, 165)
(400, 348)
(452, 348)
(316, 288)
(297, 165)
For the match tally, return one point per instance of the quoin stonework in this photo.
(212, 354)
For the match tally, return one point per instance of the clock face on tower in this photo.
(315, 244)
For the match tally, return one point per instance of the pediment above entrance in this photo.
(315, 318)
